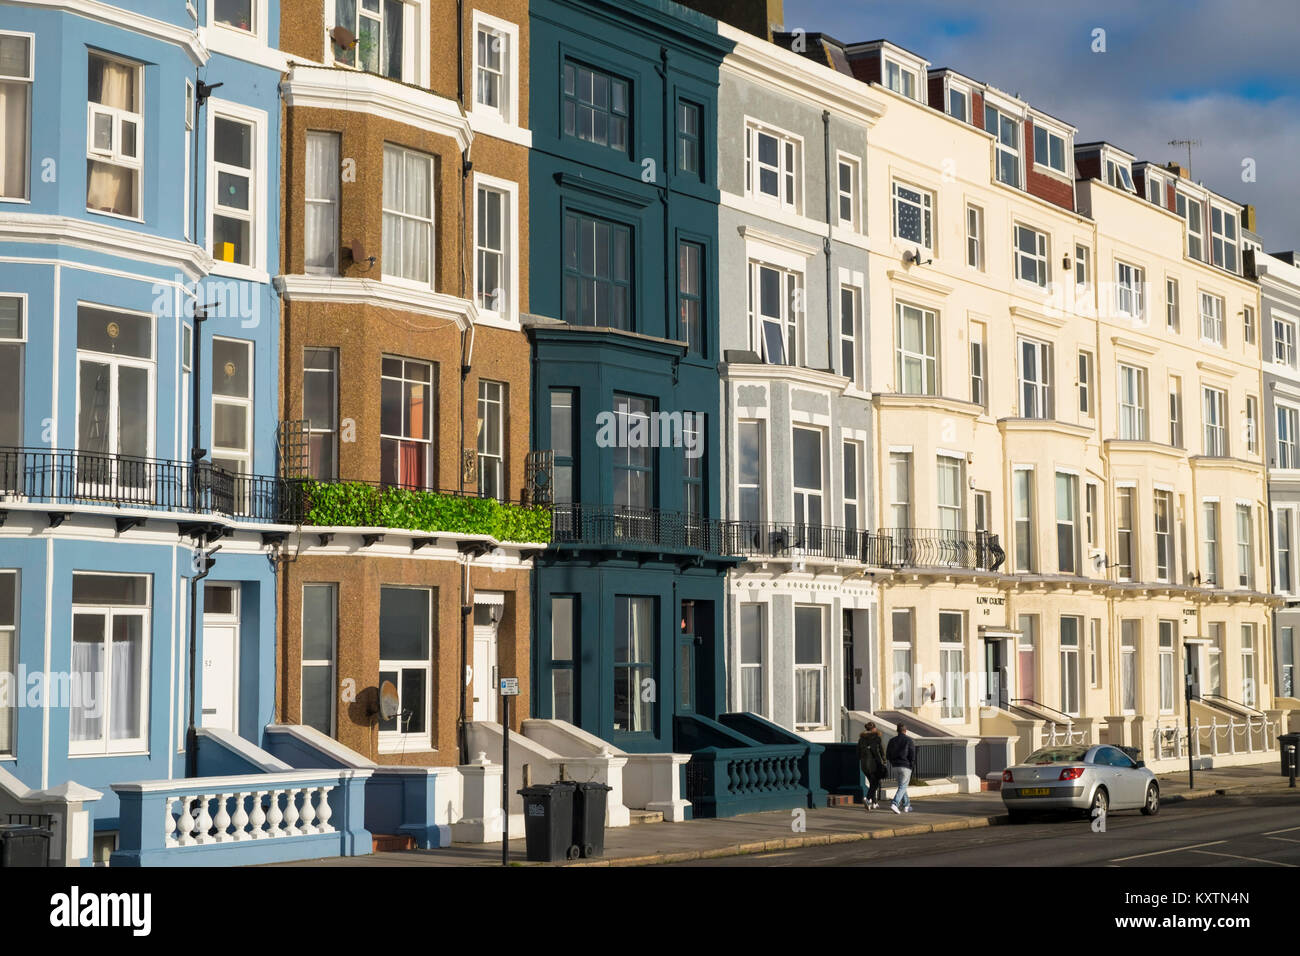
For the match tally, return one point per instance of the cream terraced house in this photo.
(1065, 382)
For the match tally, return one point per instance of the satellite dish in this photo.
(343, 38)
(389, 703)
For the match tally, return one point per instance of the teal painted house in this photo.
(628, 633)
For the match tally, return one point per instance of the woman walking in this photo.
(871, 757)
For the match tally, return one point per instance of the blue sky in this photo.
(1225, 72)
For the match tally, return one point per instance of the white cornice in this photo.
(750, 234)
(737, 373)
(1134, 345)
(1213, 368)
(899, 277)
(342, 89)
(790, 74)
(105, 239)
(384, 295)
(1042, 318)
(118, 16)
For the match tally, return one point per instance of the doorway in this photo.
(221, 656)
(488, 607)
(996, 691)
(687, 664)
(1193, 671)
(848, 661)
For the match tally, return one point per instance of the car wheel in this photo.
(1100, 803)
(1151, 806)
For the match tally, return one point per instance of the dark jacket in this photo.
(902, 752)
(871, 754)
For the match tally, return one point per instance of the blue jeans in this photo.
(901, 776)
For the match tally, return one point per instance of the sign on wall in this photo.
(990, 610)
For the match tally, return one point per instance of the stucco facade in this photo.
(801, 610)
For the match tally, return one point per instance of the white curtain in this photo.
(85, 716)
(322, 200)
(416, 235)
(13, 140)
(125, 673)
(112, 188)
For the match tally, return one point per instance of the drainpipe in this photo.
(191, 731)
(826, 248)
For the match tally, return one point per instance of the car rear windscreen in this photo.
(1056, 755)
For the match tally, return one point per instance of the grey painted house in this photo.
(1279, 279)
(798, 451)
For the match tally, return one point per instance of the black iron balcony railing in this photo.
(778, 539)
(887, 548)
(65, 477)
(941, 548)
(648, 528)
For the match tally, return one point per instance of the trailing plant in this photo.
(358, 505)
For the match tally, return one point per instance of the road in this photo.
(1227, 831)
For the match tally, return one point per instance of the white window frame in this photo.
(1176, 433)
(849, 339)
(821, 669)
(853, 196)
(1195, 237)
(1071, 665)
(1037, 398)
(1252, 424)
(488, 456)
(105, 744)
(331, 201)
(20, 342)
(928, 358)
(903, 73)
(332, 663)
(1022, 518)
(429, 221)
(1173, 317)
(789, 167)
(1249, 666)
(9, 665)
(257, 26)
(979, 387)
(116, 362)
(1214, 416)
(1040, 257)
(900, 489)
(29, 80)
(924, 206)
(1064, 169)
(1166, 631)
(851, 492)
(1284, 526)
(243, 455)
(1225, 243)
(745, 666)
(1287, 418)
(507, 34)
(1130, 674)
(1154, 187)
(1067, 563)
(1248, 329)
(509, 193)
(1284, 341)
(1015, 151)
(760, 486)
(1245, 545)
(313, 373)
(791, 321)
(257, 214)
(1137, 411)
(1163, 534)
(950, 87)
(975, 237)
(118, 119)
(1082, 266)
(1127, 533)
(1118, 173)
(1087, 384)
(1130, 298)
(1211, 522)
(399, 741)
(952, 670)
(416, 25)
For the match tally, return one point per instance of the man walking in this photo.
(902, 758)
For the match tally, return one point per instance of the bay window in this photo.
(952, 670)
(405, 627)
(1070, 628)
(810, 707)
(634, 644)
(491, 439)
(321, 220)
(233, 188)
(597, 272)
(378, 26)
(319, 655)
(17, 71)
(115, 398)
(232, 405)
(320, 390)
(408, 233)
(13, 334)
(753, 683)
(406, 423)
(114, 135)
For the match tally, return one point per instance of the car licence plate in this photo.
(1034, 791)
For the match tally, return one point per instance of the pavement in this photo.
(786, 830)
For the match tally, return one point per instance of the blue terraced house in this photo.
(628, 636)
(139, 336)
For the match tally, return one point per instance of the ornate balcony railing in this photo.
(886, 548)
(648, 528)
(60, 477)
(940, 548)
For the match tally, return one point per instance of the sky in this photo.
(1224, 72)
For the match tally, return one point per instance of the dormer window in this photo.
(1119, 175)
(1223, 230)
(1049, 149)
(1006, 132)
(1190, 209)
(1155, 188)
(959, 103)
(900, 79)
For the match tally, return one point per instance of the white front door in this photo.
(485, 670)
(220, 666)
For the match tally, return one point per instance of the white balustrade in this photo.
(306, 811)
